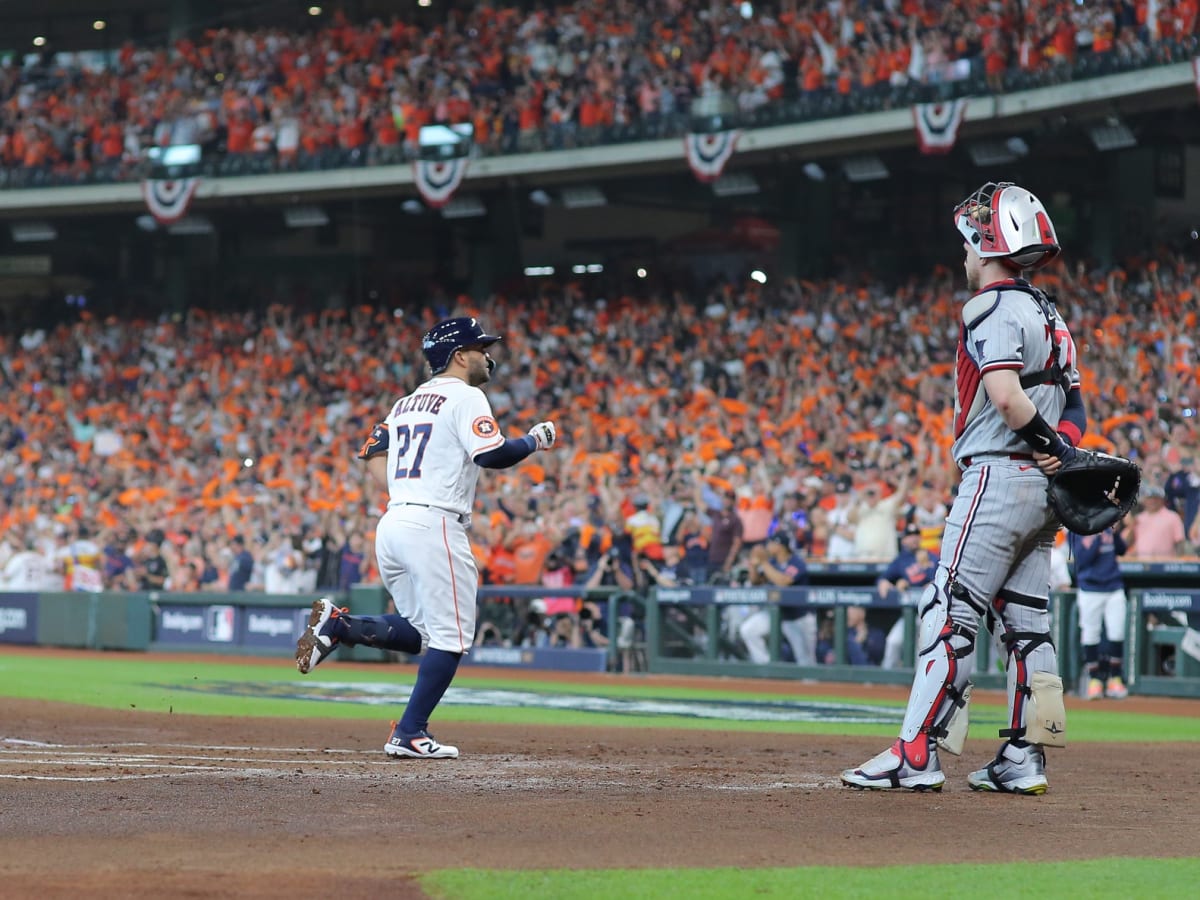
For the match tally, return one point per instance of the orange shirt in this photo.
(528, 559)
(501, 566)
(240, 132)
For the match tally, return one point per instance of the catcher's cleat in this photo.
(902, 766)
(1115, 689)
(421, 745)
(318, 641)
(1015, 770)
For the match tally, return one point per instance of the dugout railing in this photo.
(691, 630)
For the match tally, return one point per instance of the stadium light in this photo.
(314, 10)
(538, 271)
(192, 225)
(583, 197)
(39, 41)
(99, 25)
(1112, 135)
(305, 217)
(865, 168)
(735, 184)
(33, 232)
(990, 153)
(468, 207)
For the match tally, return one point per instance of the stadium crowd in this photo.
(349, 93)
(209, 450)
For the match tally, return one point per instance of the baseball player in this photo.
(1018, 415)
(428, 452)
(1101, 598)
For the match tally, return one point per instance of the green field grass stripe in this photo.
(1100, 879)
(199, 687)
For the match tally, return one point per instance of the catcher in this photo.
(1019, 415)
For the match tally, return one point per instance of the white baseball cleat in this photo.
(1015, 770)
(317, 642)
(421, 745)
(902, 766)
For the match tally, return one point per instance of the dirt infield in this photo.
(134, 804)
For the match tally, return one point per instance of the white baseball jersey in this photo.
(29, 571)
(425, 559)
(1004, 328)
(434, 435)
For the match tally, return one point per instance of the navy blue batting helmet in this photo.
(449, 335)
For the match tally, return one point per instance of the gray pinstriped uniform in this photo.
(1000, 530)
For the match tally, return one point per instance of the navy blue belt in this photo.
(1025, 457)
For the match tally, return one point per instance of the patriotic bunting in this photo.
(437, 180)
(707, 154)
(168, 199)
(937, 124)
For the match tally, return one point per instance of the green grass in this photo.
(188, 686)
(1100, 879)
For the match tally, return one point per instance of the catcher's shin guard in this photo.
(945, 662)
(1036, 711)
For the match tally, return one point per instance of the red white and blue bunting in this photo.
(437, 180)
(168, 199)
(707, 154)
(937, 124)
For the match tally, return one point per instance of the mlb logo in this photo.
(221, 624)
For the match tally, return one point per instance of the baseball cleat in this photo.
(1094, 689)
(318, 641)
(421, 745)
(910, 766)
(1115, 689)
(1015, 770)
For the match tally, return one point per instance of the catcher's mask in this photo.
(450, 335)
(1007, 222)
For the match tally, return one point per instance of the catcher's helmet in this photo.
(1006, 221)
(450, 335)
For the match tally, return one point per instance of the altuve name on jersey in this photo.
(430, 403)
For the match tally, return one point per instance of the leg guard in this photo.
(389, 632)
(1045, 716)
(1032, 666)
(945, 660)
(956, 728)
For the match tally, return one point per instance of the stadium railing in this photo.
(678, 631)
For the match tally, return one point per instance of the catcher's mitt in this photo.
(1094, 491)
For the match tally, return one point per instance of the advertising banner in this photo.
(195, 624)
(18, 618)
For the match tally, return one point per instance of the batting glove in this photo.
(543, 434)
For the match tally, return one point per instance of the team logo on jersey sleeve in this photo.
(485, 427)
